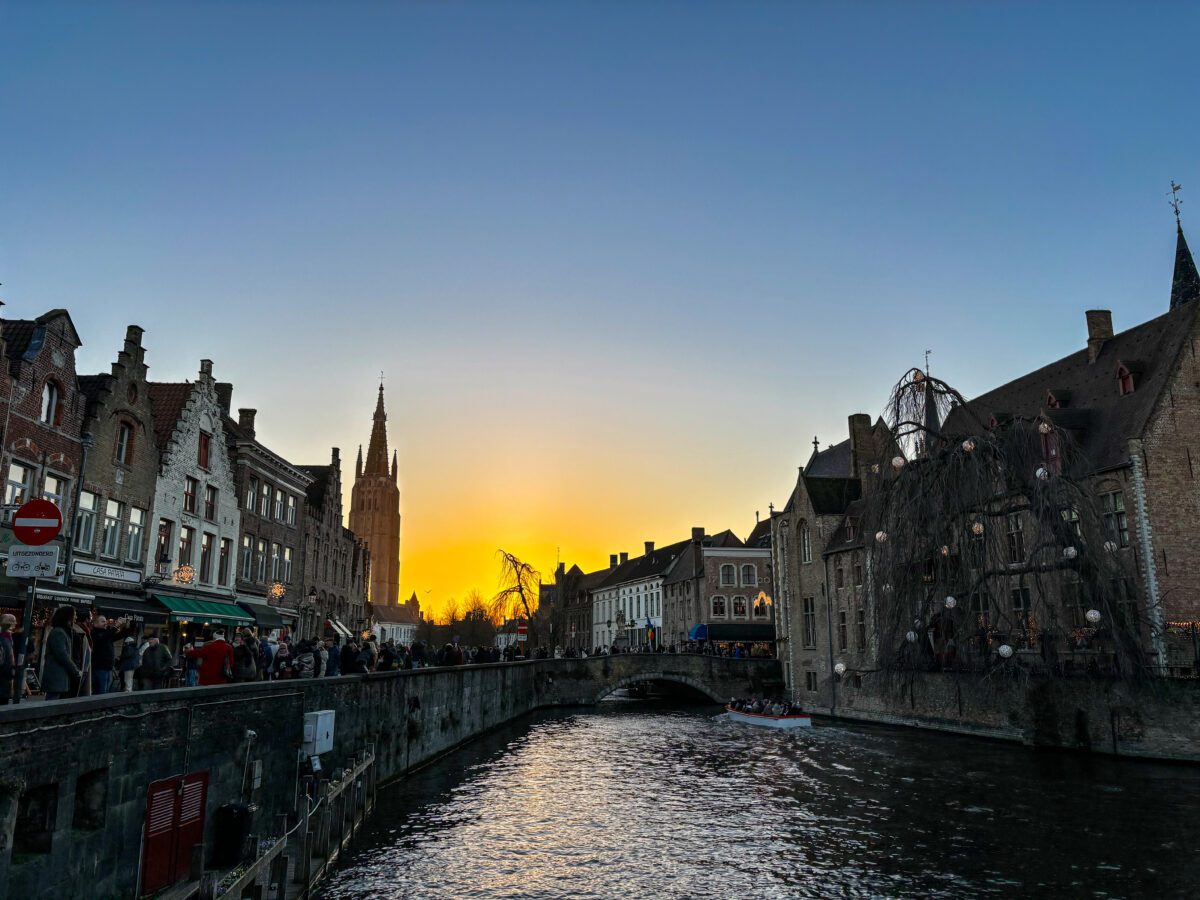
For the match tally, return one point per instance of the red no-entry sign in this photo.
(37, 522)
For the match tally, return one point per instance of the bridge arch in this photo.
(608, 688)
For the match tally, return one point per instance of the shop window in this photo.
(37, 812)
(91, 800)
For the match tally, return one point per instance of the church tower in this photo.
(375, 511)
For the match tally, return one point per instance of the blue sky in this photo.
(591, 244)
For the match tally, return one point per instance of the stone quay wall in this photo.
(1157, 719)
(88, 762)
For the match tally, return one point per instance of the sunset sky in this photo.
(619, 262)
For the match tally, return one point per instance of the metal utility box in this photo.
(318, 732)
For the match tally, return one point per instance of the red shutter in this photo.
(190, 828)
(174, 825)
(158, 846)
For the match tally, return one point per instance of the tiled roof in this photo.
(761, 535)
(1098, 417)
(93, 386)
(167, 400)
(832, 462)
(647, 565)
(841, 539)
(393, 614)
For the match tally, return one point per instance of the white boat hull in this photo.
(762, 721)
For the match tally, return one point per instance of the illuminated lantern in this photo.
(881, 537)
(977, 529)
(897, 462)
(1005, 651)
(911, 637)
(875, 468)
(1042, 473)
(951, 603)
(945, 550)
(1045, 427)
(1110, 546)
(968, 445)
(1070, 552)
(916, 623)
(1093, 616)
(887, 588)
(840, 668)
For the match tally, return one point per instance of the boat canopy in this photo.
(698, 633)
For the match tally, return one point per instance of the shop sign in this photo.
(118, 574)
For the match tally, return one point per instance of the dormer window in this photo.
(1124, 380)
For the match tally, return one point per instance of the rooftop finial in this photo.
(1175, 201)
(816, 444)
(927, 355)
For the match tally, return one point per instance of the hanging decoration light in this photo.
(881, 537)
(897, 462)
(185, 574)
(945, 550)
(911, 637)
(977, 529)
(875, 468)
(840, 669)
(1005, 651)
(1070, 552)
(969, 445)
(1042, 473)
(887, 588)
(1110, 546)
(951, 603)
(1093, 616)
(1045, 427)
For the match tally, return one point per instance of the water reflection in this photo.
(630, 802)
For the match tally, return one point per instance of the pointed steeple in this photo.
(395, 470)
(377, 449)
(1185, 283)
(358, 463)
(933, 422)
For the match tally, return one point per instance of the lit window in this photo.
(51, 407)
(137, 534)
(291, 509)
(110, 539)
(739, 607)
(54, 489)
(20, 484)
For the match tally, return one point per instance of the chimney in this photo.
(133, 343)
(624, 558)
(336, 456)
(649, 547)
(1099, 325)
(697, 534)
(206, 368)
(246, 419)
(861, 451)
(612, 560)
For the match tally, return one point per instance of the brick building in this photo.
(375, 511)
(41, 411)
(720, 590)
(271, 493)
(1129, 401)
(337, 563)
(195, 515)
(112, 532)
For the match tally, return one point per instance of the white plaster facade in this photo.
(180, 460)
(626, 611)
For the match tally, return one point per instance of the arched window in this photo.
(718, 607)
(51, 403)
(739, 607)
(749, 575)
(805, 542)
(728, 574)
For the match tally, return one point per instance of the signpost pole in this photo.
(27, 644)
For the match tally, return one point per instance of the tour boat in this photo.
(795, 720)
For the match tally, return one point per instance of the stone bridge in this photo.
(587, 681)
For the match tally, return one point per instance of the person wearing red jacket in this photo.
(216, 660)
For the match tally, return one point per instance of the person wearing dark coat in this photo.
(8, 658)
(333, 665)
(104, 657)
(349, 660)
(245, 659)
(60, 675)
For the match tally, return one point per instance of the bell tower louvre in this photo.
(375, 511)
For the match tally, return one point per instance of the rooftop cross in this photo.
(1175, 201)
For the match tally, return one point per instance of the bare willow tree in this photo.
(987, 538)
(520, 586)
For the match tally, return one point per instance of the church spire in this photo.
(1185, 283)
(358, 463)
(395, 469)
(377, 449)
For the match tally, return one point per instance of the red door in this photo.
(174, 824)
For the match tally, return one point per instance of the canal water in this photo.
(637, 801)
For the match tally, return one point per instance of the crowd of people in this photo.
(762, 707)
(97, 655)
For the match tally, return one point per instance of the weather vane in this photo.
(927, 352)
(1175, 201)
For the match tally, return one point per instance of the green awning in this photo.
(266, 616)
(193, 609)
